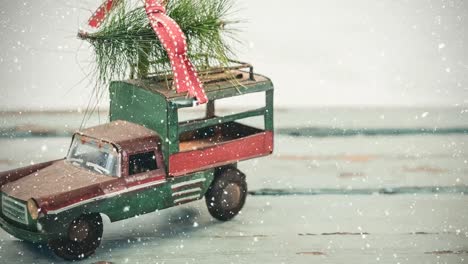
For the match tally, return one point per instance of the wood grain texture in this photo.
(414, 226)
(324, 229)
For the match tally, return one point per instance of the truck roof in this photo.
(218, 83)
(118, 132)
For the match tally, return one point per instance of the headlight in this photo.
(33, 209)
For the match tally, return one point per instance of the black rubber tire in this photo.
(227, 193)
(71, 249)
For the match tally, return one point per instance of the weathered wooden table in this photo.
(360, 199)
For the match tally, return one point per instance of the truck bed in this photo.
(219, 145)
(214, 135)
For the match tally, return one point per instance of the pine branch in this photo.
(126, 45)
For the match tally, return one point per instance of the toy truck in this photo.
(144, 160)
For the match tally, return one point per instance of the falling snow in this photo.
(370, 161)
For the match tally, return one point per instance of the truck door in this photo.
(145, 182)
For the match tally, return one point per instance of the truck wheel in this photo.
(84, 237)
(226, 195)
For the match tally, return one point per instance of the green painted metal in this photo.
(230, 90)
(119, 207)
(131, 103)
(23, 233)
(30, 232)
(130, 204)
(151, 104)
(219, 120)
(214, 91)
(31, 226)
(269, 111)
(173, 131)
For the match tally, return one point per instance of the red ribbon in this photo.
(173, 41)
(101, 13)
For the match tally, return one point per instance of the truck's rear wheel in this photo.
(226, 195)
(83, 238)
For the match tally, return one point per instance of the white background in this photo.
(318, 53)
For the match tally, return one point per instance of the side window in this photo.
(142, 162)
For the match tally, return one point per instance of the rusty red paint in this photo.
(60, 201)
(101, 13)
(160, 176)
(57, 202)
(257, 145)
(16, 174)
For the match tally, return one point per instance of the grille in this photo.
(14, 210)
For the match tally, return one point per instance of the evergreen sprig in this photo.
(126, 46)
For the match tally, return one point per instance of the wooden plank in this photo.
(333, 162)
(302, 229)
(347, 228)
(361, 162)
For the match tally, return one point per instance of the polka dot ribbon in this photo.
(173, 40)
(101, 13)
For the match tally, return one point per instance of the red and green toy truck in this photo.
(144, 160)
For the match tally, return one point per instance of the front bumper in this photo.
(24, 234)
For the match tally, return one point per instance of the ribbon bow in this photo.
(173, 40)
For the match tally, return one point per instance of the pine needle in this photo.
(127, 47)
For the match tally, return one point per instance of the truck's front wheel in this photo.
(83, 238)
(226, 195)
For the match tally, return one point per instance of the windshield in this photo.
(94, 155)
